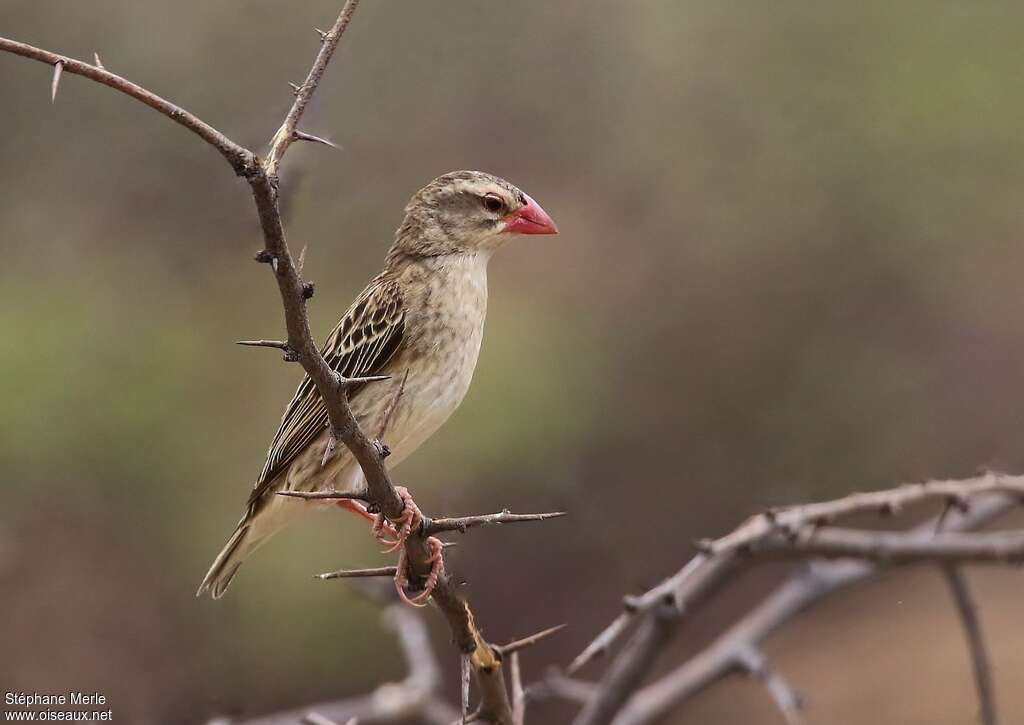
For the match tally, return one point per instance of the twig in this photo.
(891, 547)
(463, 523)
(242, 160)
(968, 613)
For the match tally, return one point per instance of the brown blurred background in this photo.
(789, 267)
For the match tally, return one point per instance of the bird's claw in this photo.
(394, 533)
(436, 570)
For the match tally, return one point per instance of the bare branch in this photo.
(968, 613)
(242, 160)
(329, 43)
(812, 584)
(463, 523)
(704, 573)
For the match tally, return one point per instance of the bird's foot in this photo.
(436, 570)
(393, 534)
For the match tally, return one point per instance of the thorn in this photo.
(263, 343)
(527, 641)
(332, 443)
(322, 34)
(704, 546)
(348, 383)
(960, 503)
(273, 264)
(302, 259)
(308, 288)
(98, 63)
(295, 88)
(301, 136)
(357, 573)
(58, 70)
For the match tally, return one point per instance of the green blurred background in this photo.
(788, 268)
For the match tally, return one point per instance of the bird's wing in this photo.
(361, 344)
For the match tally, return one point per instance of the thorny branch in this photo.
(262, 176)
(972, 504)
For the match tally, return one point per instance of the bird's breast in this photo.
(444, 332)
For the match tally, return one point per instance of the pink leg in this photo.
(356, 507)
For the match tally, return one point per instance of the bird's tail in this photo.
(252, 531)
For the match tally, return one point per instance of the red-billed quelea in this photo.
(420, 321)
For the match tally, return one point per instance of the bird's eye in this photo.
(493, 203)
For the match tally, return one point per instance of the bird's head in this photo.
(468, 212)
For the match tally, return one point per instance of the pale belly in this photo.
(433, 390)
(440, 355)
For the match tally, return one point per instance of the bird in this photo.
(419, 322)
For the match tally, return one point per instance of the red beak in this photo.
(530, 219)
